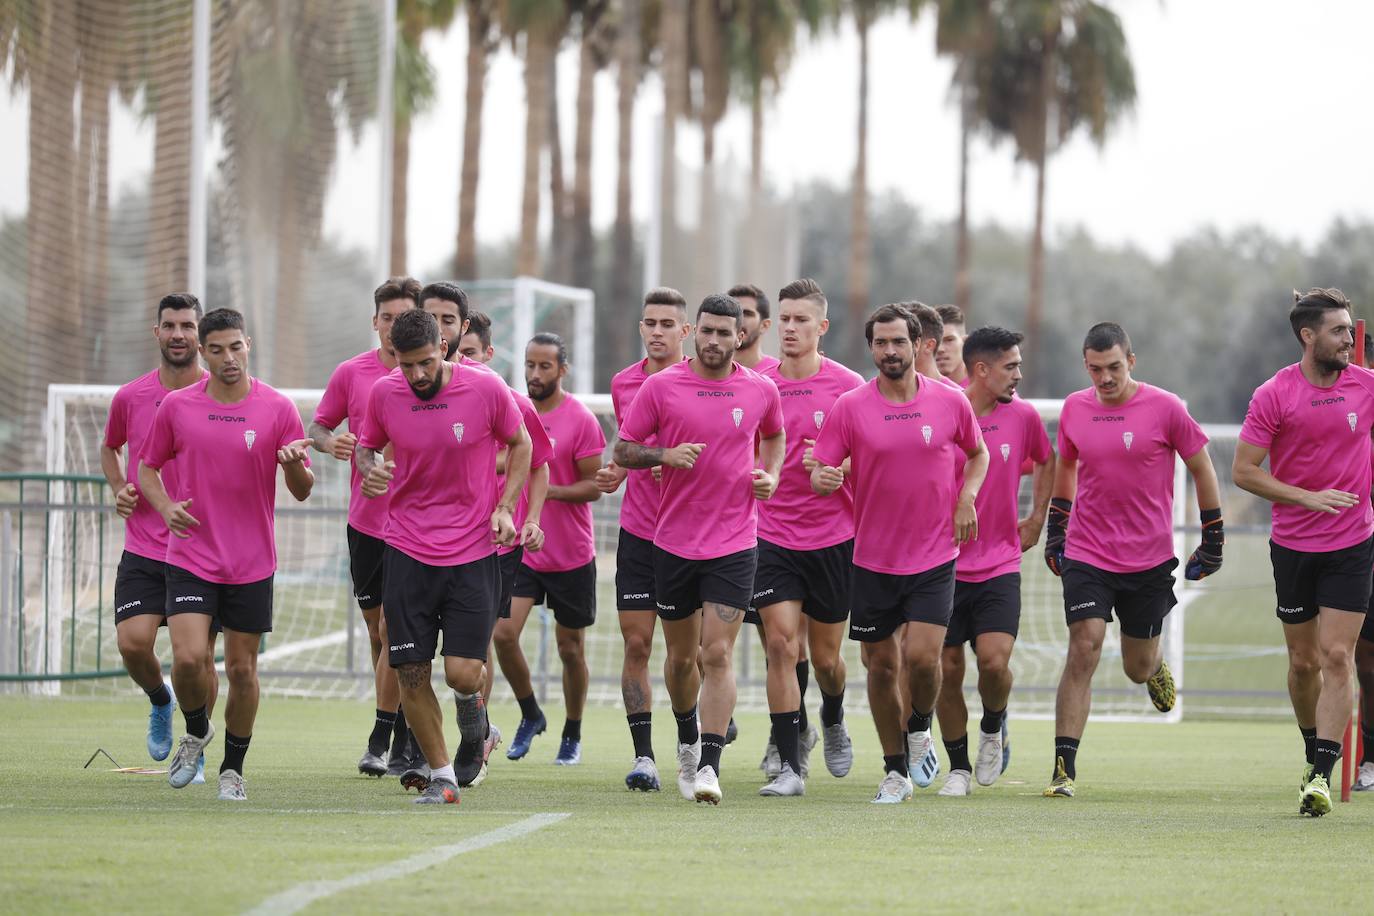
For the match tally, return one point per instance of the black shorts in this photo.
(244, 608)
(365, 564)
(571, 595)
(1303, 582)
(682, 586)
(990, 606)
(634, 573)
(421, 601)
(1141, 599)
(881, 602)
(140, 587)
(819, 579)
(510, 562)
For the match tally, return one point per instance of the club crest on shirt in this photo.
(737, 415)
(1128, 438)
(925, 433)
(458, 431)
(248, 437)
(818, 416)
(1005, 449)
(1353, 418)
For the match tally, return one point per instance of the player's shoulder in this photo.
(855, 396)
(846, 376)
(1161, 399)
(946, 392)
(755, 379)
(633, 374)
(1023, 409)
(134, 388)
(274, 396)
(188, 395)
(672, 374)
(579, 407)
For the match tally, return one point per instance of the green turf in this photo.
(1197, 816)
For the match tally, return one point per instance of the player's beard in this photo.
(182, 363)
(430, 390)
(715, 357)
(537, 390)
(1330, 360)
(750, 339)
(452, 354)
(894, 368)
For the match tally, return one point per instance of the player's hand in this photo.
(965, 522)
(1056, 532)
(1206, 560)
(657, 472)
(125, 501)
(826, 480)
(1330, 501)
(179, 519)
(764, 483)
(342, 446)
(683, 456)
(502, 527)
(808, 459)
(378, 478)
(1029, 529)
(292, 452)
(609, 478)
(532, 536)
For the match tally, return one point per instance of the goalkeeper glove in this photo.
(1056, 530)
(1207, 558)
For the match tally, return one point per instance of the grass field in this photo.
(1195, 817)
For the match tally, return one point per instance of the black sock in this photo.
(529, 707)
(687, 731)
(642, 733)
(234, 749)
(832, 709)
(1367, 738)
(894, 763)
(400, 736)
(1309, 742)
(160, 696)
(787, 736)
(958, 754)
(381, 732)
(919, 722)
(197, 722)
(572, 728)
(711, 746)
(1068, 749)
(803, 681)
(992, 721)
(1324, 760)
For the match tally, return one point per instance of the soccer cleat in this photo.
(786, 784)
(989, 764)
(438, 792)
(923, 764)
(160, 729)
(706, 786)
(396, 766)
(893, 790)
(569, 753)
(1161, 688)
(688, 759)
(1316, 797)
(1006, 744)
(731, 731)
(524, 735)
(416, 776)
(371, 765)
(183, 766)
(199, 778)
(1364, 778)
(492, 743)
(1061, 786)
(957, 783)
(231, 787)
(468, 763)
(808, 743)
(839, 750)
(643, 777)
(771, 764)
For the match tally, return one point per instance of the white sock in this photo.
(444, 772)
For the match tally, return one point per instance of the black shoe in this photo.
(731, 731)
(371, 764)
(467, 763)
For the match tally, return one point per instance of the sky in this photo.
(1248, 113)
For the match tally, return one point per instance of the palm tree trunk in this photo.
(962, 280)
(623, 281)
(538, 49)
(1035, 298)
(858, 230)
(400, 167)
(583, 265)
(169, 185)
(558, 197)
(705, 249)
(753, 239)
(479, 27)
(673, 37)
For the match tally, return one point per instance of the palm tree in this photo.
(594, 54)
(711, 27)
(542, 23)
(629, 56)
(483, 40)
(674, 17)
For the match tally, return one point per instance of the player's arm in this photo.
(965, 514)
(125, 493)
(324, 440)
(633, 455)
(174, 512)
(377, 475)
(585, 490)
(300, 480)
(1206, 560)
(609, 478)
(518, 451)
(1061, 505)
(1249, 474)
(1042, 484)
(531, 535)
(771, 451)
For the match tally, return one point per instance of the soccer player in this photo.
(949, 355)
(806, 547)
(987, 576)
(705, 539)
(563, 574)
(1312, 420)
(475, 344)
(1115, 475)
(227, 435)
(932, 332)
(1364, 663)
(755, 321)
(345, 398)
(444, 422)
(140, 582)
(663, 328)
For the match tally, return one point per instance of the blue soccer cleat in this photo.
(160, 728)
(569, 753)
(524, 735)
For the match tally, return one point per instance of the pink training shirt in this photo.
(639, 507)
(444, 488)
(1014, 433)
(131, 420)
(569, 542)
(766, 363)
(795, 517)
(226, 464)
(708, 511)
(345, 398)
(1123, 515)
(541, 453)
(1318, 439)
(902, 463)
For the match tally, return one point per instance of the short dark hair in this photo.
(932, 325)
(894, 311)
(1105, 335)
(989, 342)
(175, 302)
(951, 314)
(550, 339)
(753, 292)
(220, 320)
(720, 304)
(804, 289)
(396, 288)
(414, 329)
(665, 295)
(448, 292)
(480, 324)
(1310, 308)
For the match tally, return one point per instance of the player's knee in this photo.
(241, 672)
(994, 665)
(883, 666)
(1304, 662)
(506, 639)
(715, 656)
(783, 649)
(132, 645)
(828, 670)
(571, 651)
(464, 679)
(1337, 660)
(186, 668)
(1138, 671)
(637, 648)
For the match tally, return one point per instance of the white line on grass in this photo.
(295, 899)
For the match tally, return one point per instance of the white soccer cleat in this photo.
(706, 786)
(643, 777)
(989, 764)
(182, 769)
(231, 787)
(787, 784)
(809, 738)
(839, 750)
(893, 790)
(688, 759)
(958, 783)
(924, 765)
(1364, 779)
(771, 764)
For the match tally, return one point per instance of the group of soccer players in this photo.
(789, 493)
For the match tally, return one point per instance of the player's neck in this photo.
(652, 365)
(387, 358)
(750, 358)
(229, 394)
(930, 372)
(1318, 376)
(984, 402)
(899, 390)
(960, 376)
(174, 377)
(800, 367)
(550, 403)
(709, 374)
